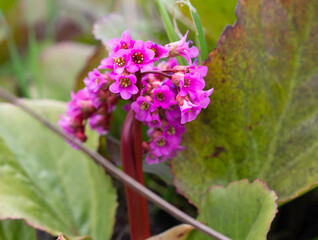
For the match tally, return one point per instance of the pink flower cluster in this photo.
(163, 96)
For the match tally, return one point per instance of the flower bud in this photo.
(180, 99)
(156, 134)
(179, 68)
(175, 79)
(145, 146)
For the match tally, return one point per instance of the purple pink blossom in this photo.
(125, 42)
(124, 85)
(163, 94)
(163, 97)
(189, 111)
(140, 57)
(95, 81)
(181, 48)
(159, 51)
(191, 84)
(143, 109)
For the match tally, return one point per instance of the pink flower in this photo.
(174, 152)
(97, 122)
(125, 42)
(173, 132)
(94, 81)
(190, 84)
(159, 51)
(155, 121)
(73, 127)
(189, 111)
(69, 124)
(181, 48)
(80, 105)
(161, 146)
(194, 68)
(143, 108)
(106, 63)
(124, 85)
(170, 64)
(140, 57)
(163, 97)
(99, 98)
(120, 59)
(151, 158)
(173, 113)
(202, 98)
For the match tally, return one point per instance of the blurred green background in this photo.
(48, 46)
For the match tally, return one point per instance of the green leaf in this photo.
(241, 211)
(169, 27)
(167, 22)
(199, 35)
(44, 181)
(8, 82)
(215, 15)
(59, 66)
(16, 229)
(262, 121)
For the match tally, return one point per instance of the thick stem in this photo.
(131, 150)
(157, 72)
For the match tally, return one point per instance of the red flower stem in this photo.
(157, 72)
(131, 152)
(167, 70)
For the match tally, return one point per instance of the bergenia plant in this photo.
(161, 94)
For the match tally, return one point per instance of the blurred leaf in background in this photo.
(16, 229)
(59, 66)
(44, 181)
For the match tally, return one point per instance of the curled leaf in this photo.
(179, 232)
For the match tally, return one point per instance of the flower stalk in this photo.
(131, 152)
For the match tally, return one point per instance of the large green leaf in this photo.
(47, 183)
(16, 229)
(241, 211)
(58, 68)
(263, 118)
